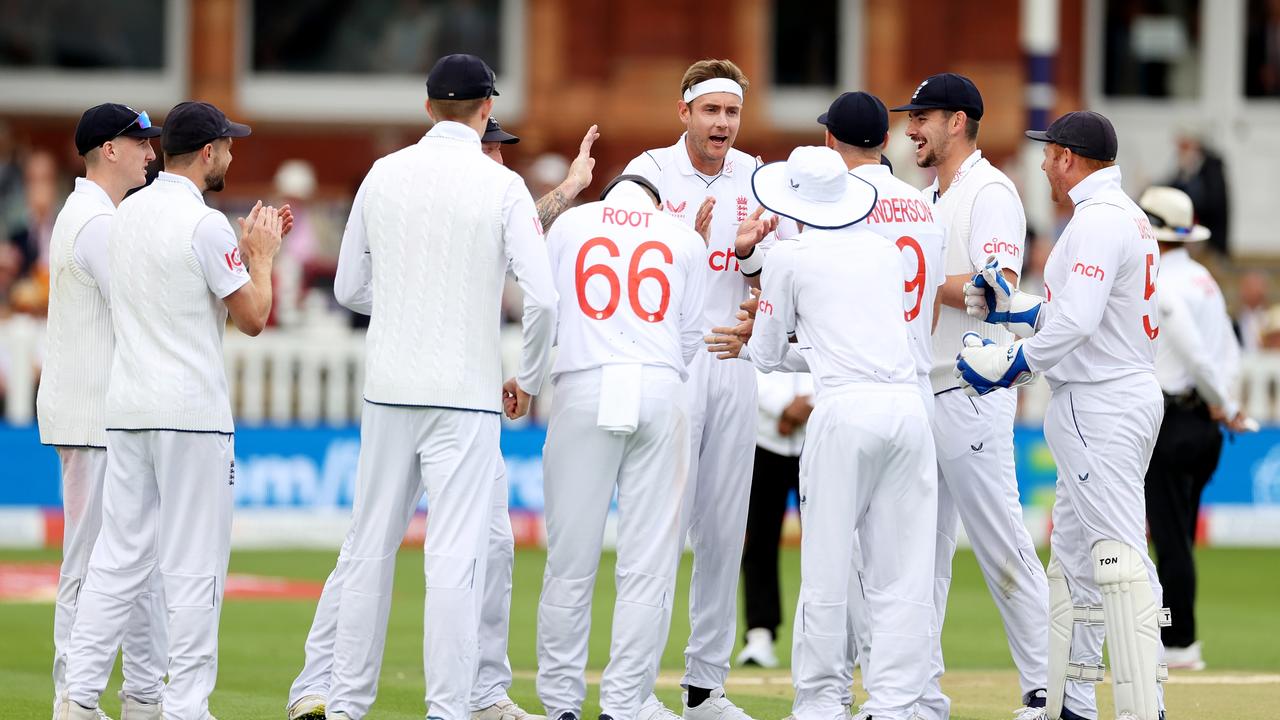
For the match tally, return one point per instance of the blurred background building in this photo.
(1193, 87)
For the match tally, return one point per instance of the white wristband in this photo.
(752, 264)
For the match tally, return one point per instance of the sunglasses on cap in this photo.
(143, 121)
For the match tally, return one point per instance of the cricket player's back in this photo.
(630, 284)
(433, 215)
(846, 286)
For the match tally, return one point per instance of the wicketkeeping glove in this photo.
(983, 366)
(989, 298)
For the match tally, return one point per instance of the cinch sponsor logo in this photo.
(618, 216)
(899, 210)
(999, 246)
(765, 307)
(720, 261)
(1089, 271)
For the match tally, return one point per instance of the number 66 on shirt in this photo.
(629, 293)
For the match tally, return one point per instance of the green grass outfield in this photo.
(261, 643)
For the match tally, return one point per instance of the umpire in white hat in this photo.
(1197, 363)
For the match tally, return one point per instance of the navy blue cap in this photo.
(857, 118)
(947, 91)
(108, 121)
(1084, 132)
(493, 132)
(192, 125)
(460, 77)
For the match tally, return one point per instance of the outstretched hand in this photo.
(579, 177)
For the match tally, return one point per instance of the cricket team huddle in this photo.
(698, 266)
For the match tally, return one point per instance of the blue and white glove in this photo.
(983, 366)
(989, 298)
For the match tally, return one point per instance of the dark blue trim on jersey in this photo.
(165, 429)
(432, 407)
(654, 159)
(74, 447)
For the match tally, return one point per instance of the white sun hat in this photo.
(815, 188)
(1172, 216)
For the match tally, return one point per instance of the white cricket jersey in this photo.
(982, 215)
(1196, 348)
(630, 282)
(683, 190)
(807, 289)
(903, 217)
(1100, 316)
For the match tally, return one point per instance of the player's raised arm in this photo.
(551, 205)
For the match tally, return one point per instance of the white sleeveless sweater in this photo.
(954, 211)
(71, 401)
(433, 216)
(167, 372)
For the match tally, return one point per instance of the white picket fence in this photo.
(314, 374)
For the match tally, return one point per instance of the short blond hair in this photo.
(708, 69)
(457, 110)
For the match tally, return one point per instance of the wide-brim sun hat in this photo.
(814, 187)
(1172, 215)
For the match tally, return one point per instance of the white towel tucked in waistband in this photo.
(620, 390)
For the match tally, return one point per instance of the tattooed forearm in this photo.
(550, 206)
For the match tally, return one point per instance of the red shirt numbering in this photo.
(900, 210)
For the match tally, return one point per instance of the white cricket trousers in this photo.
(1101, 436)
(868, 468)
(978, 485)
(144, 645)
(493, 678)
(582, 466)
(720, 399)
(166, 506)
(454, 455)
(859, 651)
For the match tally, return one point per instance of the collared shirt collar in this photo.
(93, 190)
(1096, 182)
(685, 164)
(961, 171)
(181, 180)
(451, 130)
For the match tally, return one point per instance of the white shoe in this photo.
(134, 709)
(715, 707)
(1027, 712)
(759, 649)
(68, 709)
(1187, 658)
(504, 709)
(655, 711)
(307, 707)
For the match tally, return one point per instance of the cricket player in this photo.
(432, 232)
(1095, 340)
(857, 127)
(489, 698)
(980, 209)
(630, 281)
(176, 273)
(706, 183)
(115, 142)
(868, 466)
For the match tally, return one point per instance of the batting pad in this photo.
(1063, 616)
(1133, 630)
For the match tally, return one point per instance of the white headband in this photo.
(713, 85)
